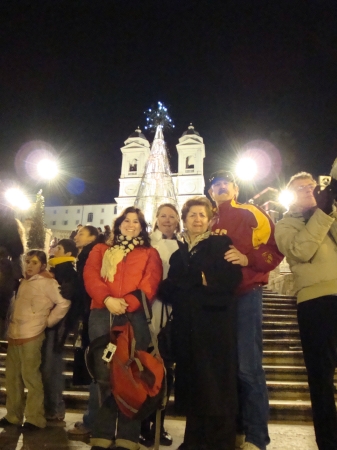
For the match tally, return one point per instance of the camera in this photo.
(109, 352)
(324, 181)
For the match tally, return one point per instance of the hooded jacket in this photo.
(38, 305)
(252, 233)
(140, 270)
(310, 246)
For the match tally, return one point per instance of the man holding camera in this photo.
(307, 236)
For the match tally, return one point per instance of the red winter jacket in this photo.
(252, 233)
(140, 270)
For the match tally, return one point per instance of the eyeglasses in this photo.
(304, 187)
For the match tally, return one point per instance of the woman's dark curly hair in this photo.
(144, 233)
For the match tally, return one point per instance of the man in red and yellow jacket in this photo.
(255, 250)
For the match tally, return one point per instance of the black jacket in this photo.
(204, 327)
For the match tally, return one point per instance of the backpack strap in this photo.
(148, 320)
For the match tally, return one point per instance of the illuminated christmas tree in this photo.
(37, 232)
(156, 186)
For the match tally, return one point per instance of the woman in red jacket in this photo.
(114, 277)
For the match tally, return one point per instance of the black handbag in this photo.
(164, 337)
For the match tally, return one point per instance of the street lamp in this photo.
(47, 168)
(286, 198)
(246, 169)
(17, 198)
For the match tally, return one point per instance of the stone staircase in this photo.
(283, 363)
(289, 396)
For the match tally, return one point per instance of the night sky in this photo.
(80, 74)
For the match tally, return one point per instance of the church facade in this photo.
(188, 182)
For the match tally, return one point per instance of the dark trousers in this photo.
(104, 426)
(210, 432)
(317, 321)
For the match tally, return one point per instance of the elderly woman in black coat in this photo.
(200, 286)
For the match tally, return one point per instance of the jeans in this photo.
(99, 324)
(252, 388)
(317, 321)
(104, 424)
(52, 377)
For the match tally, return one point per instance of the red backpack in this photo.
(137, 377)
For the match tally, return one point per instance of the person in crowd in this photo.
(307, 236)
(85, 240)
(11, 250)
(107, 232)
(164, 240)
(52, 247)
(38, 305)
(201, 288)
(114, 278)
(99, 229)
(254, 249)
(74, 232)
(62, 266)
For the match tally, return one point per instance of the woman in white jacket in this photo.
(164, 240)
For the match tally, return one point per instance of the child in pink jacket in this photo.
(38, 305)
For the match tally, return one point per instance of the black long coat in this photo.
(204, 327)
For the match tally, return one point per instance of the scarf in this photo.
(60, 259)
(114, 255)
(196, 241)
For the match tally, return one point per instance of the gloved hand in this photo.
(324, 198)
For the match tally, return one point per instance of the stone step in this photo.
(273, 309)
(274, 325)
(283, 357)
(279, 317)
(281, 344)
(288, 390)
(280, 332)
(285, 372)
(279, 296)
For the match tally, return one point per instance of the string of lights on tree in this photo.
(158, 117)
(156, 186)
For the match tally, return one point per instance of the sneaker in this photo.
(239, 441)
(165, 438)
(27, 426)
(145, 440)
(5, 423)
(79, 430)
(55, 421)
(249, 446)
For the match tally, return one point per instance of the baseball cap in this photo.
(221, 175)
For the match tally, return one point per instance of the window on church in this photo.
(133, 165)
(90, 217)
(190, 162)
(115, 209)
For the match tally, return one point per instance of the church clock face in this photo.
(131, 189)
(189, 187)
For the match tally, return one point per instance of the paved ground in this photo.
(283, 437)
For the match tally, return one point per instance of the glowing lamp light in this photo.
(17, 198)
(246, 169)
(47, 168)
(286, 198)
